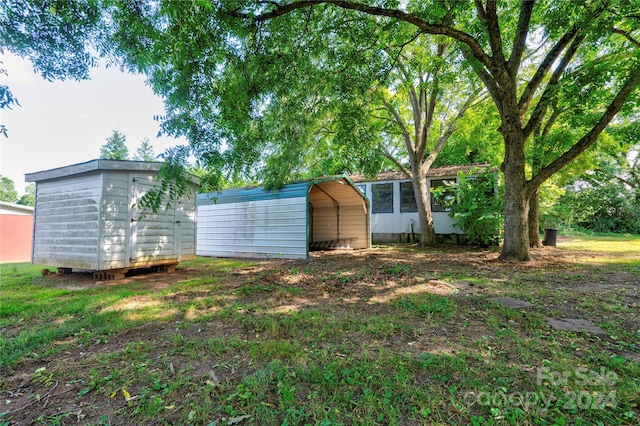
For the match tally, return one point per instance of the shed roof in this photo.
(435, 172)
(95, 165)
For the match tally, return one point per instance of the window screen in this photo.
(407, 198)
(382, 198)
(438, 204)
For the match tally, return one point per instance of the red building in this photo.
(16, 231)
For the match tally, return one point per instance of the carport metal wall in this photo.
(276, 224)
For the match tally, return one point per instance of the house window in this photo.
(407, 198)
(362, 188)
(439, 204)
(382, 194)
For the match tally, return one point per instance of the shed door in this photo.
(153, 235)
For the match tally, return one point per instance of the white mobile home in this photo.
(394, 214)
(253, 222)
(87, 217)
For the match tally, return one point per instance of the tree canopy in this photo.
(530, 56)
(8, 191)
(9, 194)
(257, 86)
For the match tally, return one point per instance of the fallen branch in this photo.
(35, 400)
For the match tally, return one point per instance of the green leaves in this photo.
(477, 209)
(277, 91)
(174, 183)
(8, 191)
(54, 35)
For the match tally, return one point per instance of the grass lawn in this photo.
(392, 335)
(613, 245)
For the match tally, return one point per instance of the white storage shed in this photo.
(87, 217)
(253, 222)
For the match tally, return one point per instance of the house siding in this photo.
(15, 237)
(386, 227)
(396, 225)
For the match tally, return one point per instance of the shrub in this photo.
(607, 207)
(477, 208)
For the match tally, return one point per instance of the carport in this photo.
(322, 213)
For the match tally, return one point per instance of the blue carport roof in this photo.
(292, 190)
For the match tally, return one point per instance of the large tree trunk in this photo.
(421, 192)
(516, 202)
(534, 222)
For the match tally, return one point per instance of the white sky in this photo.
(64, 123)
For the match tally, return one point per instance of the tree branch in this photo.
(520, 38)
(414, 97)
(487, 79)
(430, 109)
(482, 13)
(552, 120)
(451, 127)
(548, 61)
(493, 29)
(411, 18)
(393, 159)
(398, 119)
(543, 103)
(627, 35)
(544, 68)
(590, 138)
(625, 181)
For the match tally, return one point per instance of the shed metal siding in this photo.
(67, 222)
(187, 216)
(241, 195)
(340, 215)
(114, 226)
(153, 235)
